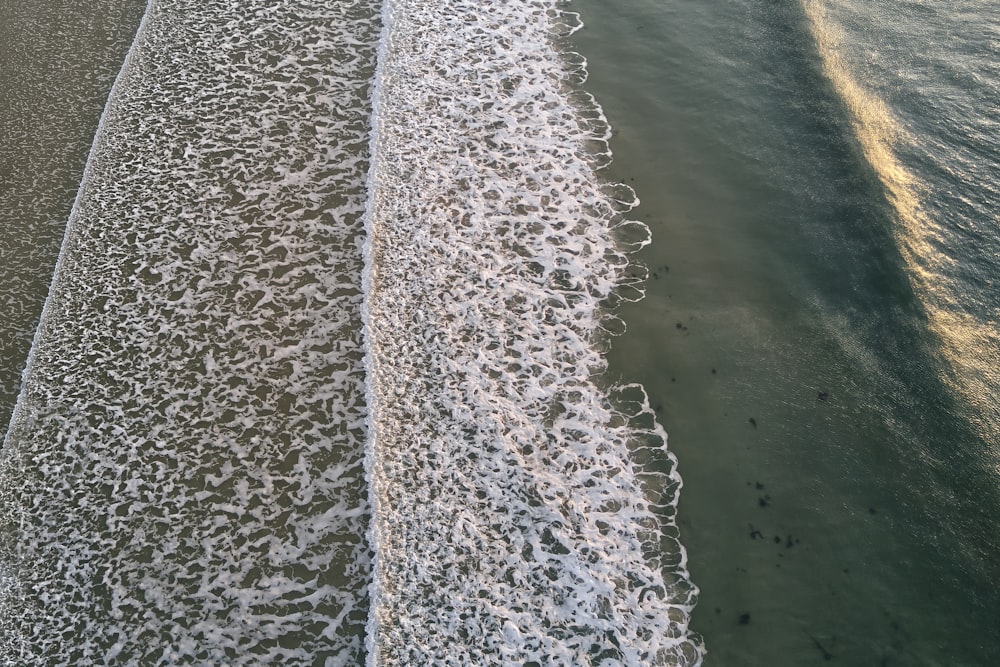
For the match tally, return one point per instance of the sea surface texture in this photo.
(334, 367)
(921, 86)
(320, 376)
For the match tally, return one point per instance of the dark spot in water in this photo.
(760, 487)
(871, 510)
(680, 325)
(777, 540)
(822, 396)
(847, 570)
(659, 407)
(666, 269)
(756, 534)
(713, 371)
(826, 654)
(673, 379)
(753, 422)
(764, 501)
(744, 619)
(718, 610)
(789, 542)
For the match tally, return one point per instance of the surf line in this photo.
(368, 334)
(520, 511)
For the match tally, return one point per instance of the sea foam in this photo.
(522, 513)
(182, 478)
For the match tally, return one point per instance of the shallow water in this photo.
(182, 477)
(520, 516)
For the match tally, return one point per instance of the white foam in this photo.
(521, 513)
(184, 469)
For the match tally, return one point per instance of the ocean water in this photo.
(183, 477)
(346, 360)
(521, 513)
(819, 336)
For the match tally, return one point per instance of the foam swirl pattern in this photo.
(182, 481)
(522, 514)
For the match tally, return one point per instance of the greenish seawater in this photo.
(839, 501)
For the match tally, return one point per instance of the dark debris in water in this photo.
(745, 618)
(753, 422)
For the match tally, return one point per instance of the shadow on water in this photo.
(837, 505)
